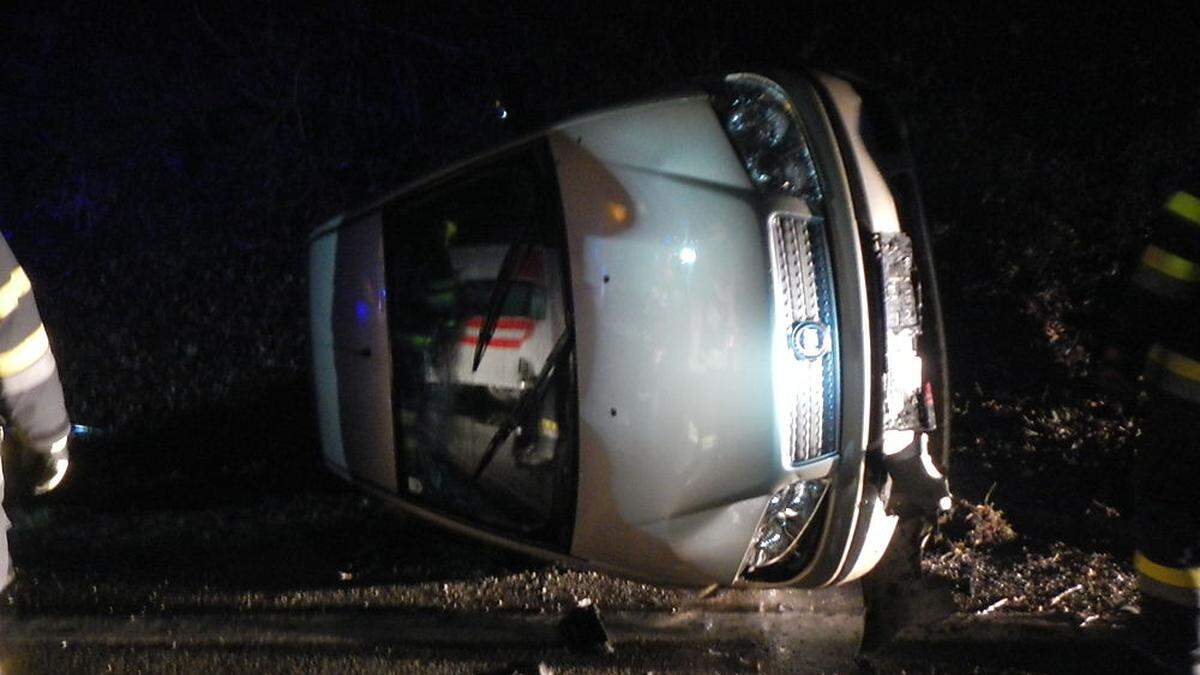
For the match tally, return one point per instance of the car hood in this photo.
(671, 290)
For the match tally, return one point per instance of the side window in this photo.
(482, 348)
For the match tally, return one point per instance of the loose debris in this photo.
(583, 631)
(994, 606)
(989, 528)
(1060, 596)
(1038, 579)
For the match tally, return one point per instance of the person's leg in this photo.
(1168, 557)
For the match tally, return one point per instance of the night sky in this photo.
(161, 165)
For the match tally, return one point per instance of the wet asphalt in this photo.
(326, 580)
(329, 581)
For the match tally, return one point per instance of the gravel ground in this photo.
(165, 164)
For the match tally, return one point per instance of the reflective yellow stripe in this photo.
(12, 290)
(1185, 206)
(1180, 577)
(25, 354)
(1175, 362)
(1170, 264)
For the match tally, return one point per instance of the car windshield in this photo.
(476, 270)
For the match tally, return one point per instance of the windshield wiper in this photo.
(514, 260)
(530, 398)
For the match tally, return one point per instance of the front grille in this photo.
(805, 359)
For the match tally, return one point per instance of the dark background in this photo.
(162, 164)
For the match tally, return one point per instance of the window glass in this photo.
(482, 348)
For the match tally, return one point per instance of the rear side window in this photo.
(482, 345)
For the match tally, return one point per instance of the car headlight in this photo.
(765, 130)
(789, 513)
(763, 126)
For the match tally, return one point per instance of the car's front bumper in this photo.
(870, 199)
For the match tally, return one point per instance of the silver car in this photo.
(673, 339)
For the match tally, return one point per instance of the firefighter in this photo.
(1162, 322)
(32, 410)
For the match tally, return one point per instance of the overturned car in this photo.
(675, 339)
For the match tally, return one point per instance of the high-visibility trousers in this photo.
(1168, 518)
